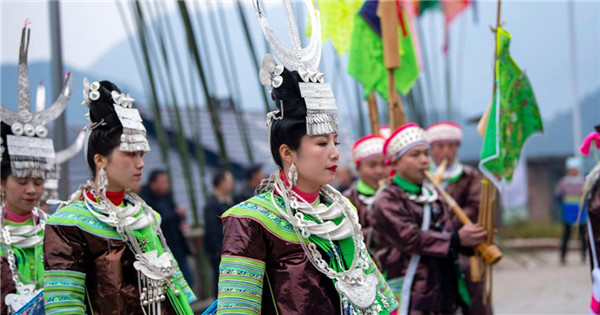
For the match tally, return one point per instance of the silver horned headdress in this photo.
(31, 156)
(133, 138)
(321, 108)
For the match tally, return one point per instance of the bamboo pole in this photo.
(373, 114)
(191, 99)
(388, 14)
(234, 83)
(214, 118)
(157, 122)
(255, 61)
(169, 88)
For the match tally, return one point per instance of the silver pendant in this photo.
(361, 293)
(24, 294)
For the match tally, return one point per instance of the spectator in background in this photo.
(254, 176)
(343, 178)
(220, 200)
(157, 194)
(568, 191)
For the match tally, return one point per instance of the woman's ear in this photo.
(287, 155)
(100, 161)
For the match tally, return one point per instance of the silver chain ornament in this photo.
(27, 237)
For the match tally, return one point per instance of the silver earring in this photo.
(293, 175)
(102, 182)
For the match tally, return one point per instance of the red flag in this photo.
(452, 8)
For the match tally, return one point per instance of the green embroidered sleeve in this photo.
(64, 292)
(384, 288)
(240, 285)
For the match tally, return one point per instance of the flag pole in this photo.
(388, 13)
(488, 192)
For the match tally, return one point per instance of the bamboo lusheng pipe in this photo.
(489, 252)
(439, 173)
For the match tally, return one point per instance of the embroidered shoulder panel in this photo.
(77, 214)
(261, 209)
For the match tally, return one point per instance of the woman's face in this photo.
(123, 169)
(316, 160)
(22, 194)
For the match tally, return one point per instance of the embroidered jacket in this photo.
(264, 266)
(88, 265)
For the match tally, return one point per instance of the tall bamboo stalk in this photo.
(234, 87)
(168, 87)
(214, 118)
(191, 100)
(157, 121)
(255, 60)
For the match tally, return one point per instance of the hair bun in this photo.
(103, 107)
(288, 95)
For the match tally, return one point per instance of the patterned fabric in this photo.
(64, 292)
(241, 278)
(34, 307)
(240, 285)
(513, 117)
(383, 287)
(77, 214)
(30, 263)
(260, 209)
(64, 301)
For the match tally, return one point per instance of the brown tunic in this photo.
(398, 222)
(299, 288)
(7, 285)
(90, 255)
(263, 247)
(363, 214)
(467, 193)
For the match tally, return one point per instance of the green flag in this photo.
(366, 64)
(514, 116)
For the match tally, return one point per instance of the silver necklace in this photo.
(155, 272)
(358, 290)
(23, 237)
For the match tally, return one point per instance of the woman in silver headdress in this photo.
(104, 251)
(297, 247)
(27, 160)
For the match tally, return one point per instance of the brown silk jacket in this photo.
(83, 256)
(467, 193)
(398, 223)
(264, 266)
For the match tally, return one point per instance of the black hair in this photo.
(5, 169)
(154, 175)
(292, 127)
(219, 177)
(107, 135)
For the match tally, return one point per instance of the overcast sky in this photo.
(540, 45)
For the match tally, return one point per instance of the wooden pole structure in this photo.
(373, 114)
(488, 191)
(388, 13)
